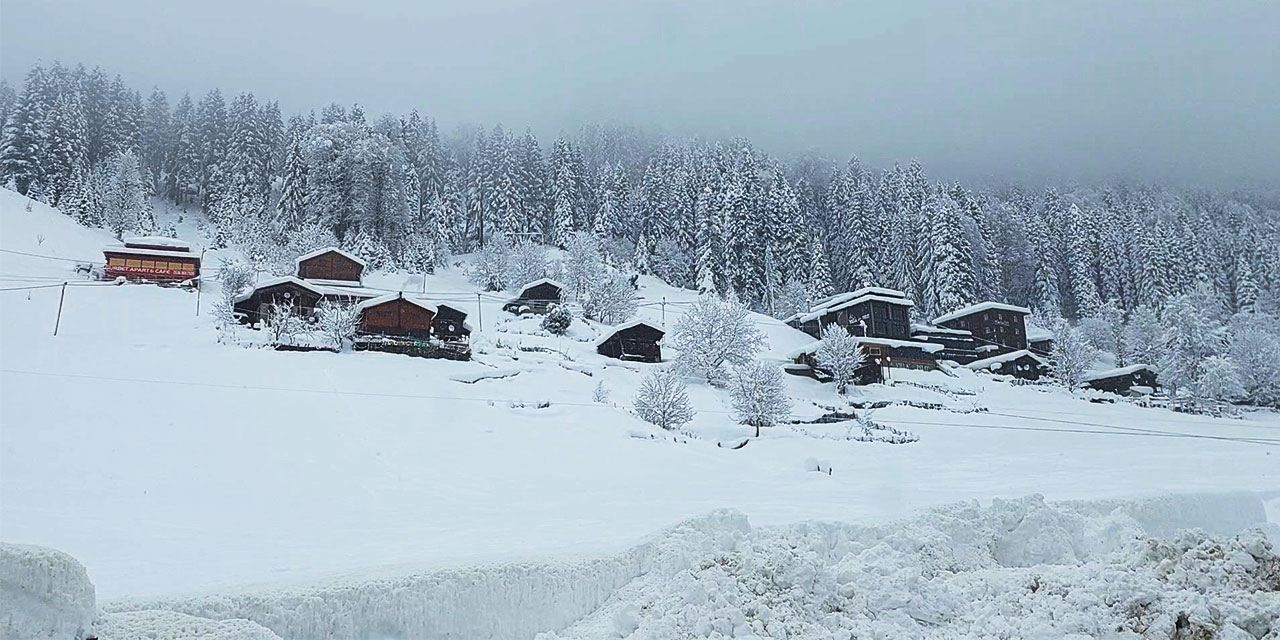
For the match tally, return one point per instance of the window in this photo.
(148, 264)
(873, 351)
(133, 263)
(115, 262)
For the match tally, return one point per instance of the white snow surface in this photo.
(172, 464)
(171, 625)
(1022, 568)
(44, 593)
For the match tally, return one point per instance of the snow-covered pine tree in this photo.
(1246, 288)
(22, 143)
(1189, 337)
(1084, 289)
(947, 262)
(292, 208)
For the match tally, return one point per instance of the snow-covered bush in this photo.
(337, 322)
(1255, 350)
(600, 394)
(609, 298)
(714, 332)
(489, 271)
(528, 262)
(282, 323)
(663, 401)
(1219, 381)
(839, 355)
(235, 277)
(1072, 355)
(1188, 339)
(670, 262)
(557, 320)
(1105, 330)
(759, 395)
(1142, 335)
(583, 263)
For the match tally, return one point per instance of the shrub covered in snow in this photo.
(663, 401)
(609, 298)
(840, 355)
(557, 320)
(759, 395)
(1072, 356)
(337, 322)
(712, 333)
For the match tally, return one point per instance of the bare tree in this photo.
(663, 401)
(840, 355)
(338, 322)
(760, 395)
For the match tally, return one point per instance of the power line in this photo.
(48, 257)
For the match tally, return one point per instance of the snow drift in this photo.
(1019, 568)
(44, 593)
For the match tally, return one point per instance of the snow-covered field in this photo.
(171, 465)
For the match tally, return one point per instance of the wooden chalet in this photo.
(253, 306)
(635, 340)
(990, 323)
(151, 258)
(1039, 341)
(958, 345)
(870, 311)
(1019, 364)
(879, 354)
(331, 265)
(450, 324)
(394, 315)
(1135, 379)
(536, 297)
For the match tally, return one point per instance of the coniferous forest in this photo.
(715, 215)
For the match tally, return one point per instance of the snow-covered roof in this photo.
(158, 253)
(626, 325)
(159, 241)
(323, 250)
(862, 341)
(928, 328)
(535, 283)
(271, 282)
(1037, 334)
(978, 308)
(391, 297)
(986, 363)
(325, 282)
(838, 298)
(1119, 371)
(852, 302)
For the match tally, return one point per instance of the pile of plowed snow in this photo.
(1022, 568)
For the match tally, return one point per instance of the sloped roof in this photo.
(851, 302)
(535, 283)
(172, 254)
(863, 341)
(271, 282)
(159, 241)
(986, 363)
(392, 297)
(1118, 371)
(1037, 334)
(323, 250)
(928, 328)
(624, 326)
(978, 308)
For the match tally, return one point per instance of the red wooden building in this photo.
(331, 264)
(152, 258)
(396, 316)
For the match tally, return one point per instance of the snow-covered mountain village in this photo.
(331, 375)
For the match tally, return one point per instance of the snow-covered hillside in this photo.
(169, 463)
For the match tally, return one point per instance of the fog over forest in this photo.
(1174, 92)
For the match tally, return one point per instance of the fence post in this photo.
(58, 322)
(479, 311)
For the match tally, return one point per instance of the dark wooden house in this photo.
(958, 345)
(331, 264)
(870, 311)
(450, 324)
(536, 297)
(634, 340)
(396, 316)
(151, 258)
(879, 354)
(1135, 378)
(1039, 341)
(252, 307)
(990, 323)
(1019, 364)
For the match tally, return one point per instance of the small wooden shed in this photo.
(450, 324)
(394, 315)
(536, 297)
(330, 264)
(1019, 364)
(635, 340)
(252, 307)
(1123, 380)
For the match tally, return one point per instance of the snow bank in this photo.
(170, 625)
(44, 593)
(502, 601)
(1014, 568)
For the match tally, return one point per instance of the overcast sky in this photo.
(1168, 90)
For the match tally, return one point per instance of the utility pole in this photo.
(199, 283)
(664, 312)
(57, 323)
(479, 311)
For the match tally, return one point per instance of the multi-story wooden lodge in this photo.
(152, 258)
(869, 311)
(990, 323)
